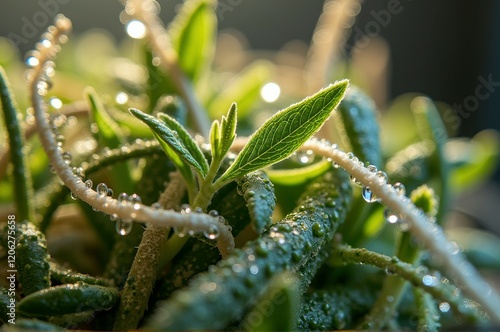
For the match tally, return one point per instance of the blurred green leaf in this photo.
(193, 33)
(244, 90)
(298, 176)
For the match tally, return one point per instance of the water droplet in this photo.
(213, 213)
(136, 201)
(403, 225)
(237, 268)
(185, 209)
(262, 249)
(110, 192)
(254, 269)
(212, 233)
(381, 176)
(198, 210)
(355, 181)
(330, 202)
(123, 199)
(350, 155)
(156, 206)
(429, 280)
(123, 227)
(453, 248)
(368, 195)
(444, 307)
(55, 103)
(89, 184)
(32, 59)
(305, 157)
(389, 298)
(390, 216)
(399, 188)
(73, 196)
(52, 169)
(156, 61)
(318, 230)
(181, 232)
(66, 156)
(372, 168)
(102, 189)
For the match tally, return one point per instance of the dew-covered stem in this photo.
(144, 270)
(138, 212)
(428, 316)
(144, 11)
(442, 291)
(23, 190)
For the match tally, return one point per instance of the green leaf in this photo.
(244, 89)
(286, 131)
(23, 190)
(222, 134)
(109, 130)
(177, 138)
(296, 176)
(193, 33)
(283, 296)
(358, 126)
(112, 136)
(186, 139)
(259, 195)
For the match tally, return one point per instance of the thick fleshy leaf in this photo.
(177, 139)
(193, 34)
(259, 195)
(286, 131)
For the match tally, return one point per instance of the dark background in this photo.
(438, 48)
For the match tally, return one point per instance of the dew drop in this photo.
(136, 201)
(66, 156)
(198, 210)
(389, 298)
(350, 155)
(444, 307)
(110, 192)
(399, 188)
(390, 216)
(89, 184)
(372, 168)
(73, 196)
(55, 103)
(213, 213)
(121, 98)
(429, 280)
(185, 209)
(254, 269)
(136, 29)
(381, 176)
(368, 195)
(156, 206)
(305, 157)
(181, 232)
(123, 199)
(123, 227)
(113, 217)
(355, 181)
(102, 189)
(212, 233)
(330, 202)
(32, 59)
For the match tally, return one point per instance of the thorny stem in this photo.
(144, 270)
(144, 11)
(444, 292)
(429, 234)
(197, 222)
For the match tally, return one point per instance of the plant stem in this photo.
(144, 270)
(196, 221)
(444, 292)
(428, 316)
(23, 190)
(144, 11)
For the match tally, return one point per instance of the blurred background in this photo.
(445, 49)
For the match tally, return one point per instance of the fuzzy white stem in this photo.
(196, 221)
(428, 233)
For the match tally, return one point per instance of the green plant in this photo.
(288, 202)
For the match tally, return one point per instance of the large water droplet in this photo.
(136, 29)
(381, 176)
(212, 233)
(156, 206)
(66, 156)
(136, 201)
(429, 280)
(399, 188)
(102, 189)
(305, 157)
(185, 209)
(254, 269)
(89, 184)
(318, 230)
(123, 227)
(368, 195)
(73, 196)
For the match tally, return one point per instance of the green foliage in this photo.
(299, 223)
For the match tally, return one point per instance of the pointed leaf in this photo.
(215, 139)
(286, 131)
(109, 130)
(193, 34)
(173, 140)
(186, 139)
(228, 128)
